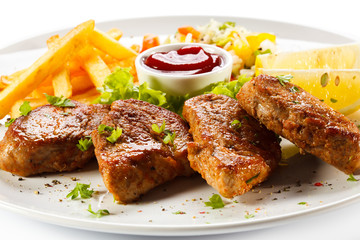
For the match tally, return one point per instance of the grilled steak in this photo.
(140, 160)
(303, 119)
(231, 150)
(45, 140)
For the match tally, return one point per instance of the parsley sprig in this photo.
(82, 190)
(215, 202)
(284, 79)
(169, 138)
(99, 213)
(102, 128)
(351, 178)
(115, 134)
(24, 109)
(84, 144)
(59, 101)
(158, 129)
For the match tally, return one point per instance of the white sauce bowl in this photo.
(177, 84)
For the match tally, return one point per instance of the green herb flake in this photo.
(236, 124)
(59, 101)
(252, 178)
(324, 79)
(82, 190)
(9, 122)
(284, 79)
(115, 134)
(169, 138)
(99, 213)
(351, 178)
(296, 102)
(248, 216)
(302, 203)
(102, 128)
(179, 212)
(25, 108)
(215, 202)
(294, 89)
(333, 100)
(158, 129)
(84, 144)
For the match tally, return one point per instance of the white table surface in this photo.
(22, 19)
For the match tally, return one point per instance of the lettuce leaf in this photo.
(119, 85)
(229, 88)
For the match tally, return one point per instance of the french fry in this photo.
(115, 33)
(61, 81)
(52, 41)
(62, 84)
(44, 87)
(95, 67)
(81, 83)
(87, 97)
(46, 65)
(107, 44)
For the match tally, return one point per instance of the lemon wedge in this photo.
(332, 74)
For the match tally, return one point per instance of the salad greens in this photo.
(119, 85)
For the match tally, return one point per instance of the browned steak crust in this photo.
(45, 140)
(304, 120)
(140, 160)
(232, 158)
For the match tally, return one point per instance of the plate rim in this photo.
(166, 230)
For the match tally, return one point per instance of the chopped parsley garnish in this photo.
(102, 128)
(252, 178)
(294, 89)
(248, 216)
(158, 129)
(84, 144)
(179, 212)
(296, 102)
(302, 203)
(236, 123)
(25, 108)
(82, 190)
(99, 213)
(215, 202)
(351, 178)
(9, 122)
(284, 79)
(169, 138)
(333, 100)
(59, 101)
(115, 134)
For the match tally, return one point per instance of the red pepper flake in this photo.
(139, 210)
(318, 184)
(202, 212)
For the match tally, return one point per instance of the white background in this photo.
(22, 19)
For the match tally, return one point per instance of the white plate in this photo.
(274, 202)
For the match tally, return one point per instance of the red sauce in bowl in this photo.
(187, 60)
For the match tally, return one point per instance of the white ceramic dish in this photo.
(176, 84)
(159, 212)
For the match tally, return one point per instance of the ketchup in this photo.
(187, 60)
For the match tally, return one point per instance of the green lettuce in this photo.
(119, 85)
